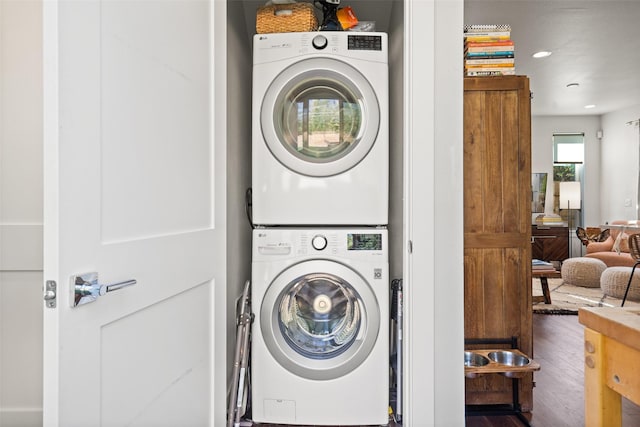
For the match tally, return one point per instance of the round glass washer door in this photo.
(320, 117)
(320, 319)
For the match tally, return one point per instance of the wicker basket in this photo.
(286, 18)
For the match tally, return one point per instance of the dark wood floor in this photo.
(558, 398)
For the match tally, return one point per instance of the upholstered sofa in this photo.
(606, 252)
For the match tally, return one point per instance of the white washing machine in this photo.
(320, 338)
(320, 139)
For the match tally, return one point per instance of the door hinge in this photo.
(50, 293)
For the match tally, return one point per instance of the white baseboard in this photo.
(21, 417)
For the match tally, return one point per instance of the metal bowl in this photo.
(508, 358)
(474, 359)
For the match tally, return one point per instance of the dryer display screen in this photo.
(364, 242)
(364, 43)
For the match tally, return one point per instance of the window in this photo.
(568, 148)
(568, 177)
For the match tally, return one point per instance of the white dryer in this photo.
(320, 338)
(320, 138)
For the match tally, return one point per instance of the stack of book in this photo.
(537, 265)
(488, 50)
(550, 219)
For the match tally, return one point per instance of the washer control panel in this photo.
(356, 243)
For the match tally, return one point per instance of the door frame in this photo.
(433, 288)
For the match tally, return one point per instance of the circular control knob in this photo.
(319, 42)
(319, 242)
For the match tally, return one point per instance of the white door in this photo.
(134, 189)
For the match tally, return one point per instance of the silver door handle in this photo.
(85, 288)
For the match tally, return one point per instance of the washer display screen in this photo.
(364, 242)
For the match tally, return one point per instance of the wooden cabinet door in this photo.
(549, 243)
(497, 225)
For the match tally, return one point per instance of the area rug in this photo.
(567, 299)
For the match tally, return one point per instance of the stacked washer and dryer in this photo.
(320, 293)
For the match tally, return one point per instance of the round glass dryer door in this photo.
(320, 117)
(320, 319)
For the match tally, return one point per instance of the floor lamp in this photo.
(570, 199)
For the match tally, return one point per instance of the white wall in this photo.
(611, 163)
(542, 130)
(396, 83)
(620, 160)
(20, 213)
(239, 71)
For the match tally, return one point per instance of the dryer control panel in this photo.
(350, 45)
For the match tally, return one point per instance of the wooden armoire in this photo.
(497, 227)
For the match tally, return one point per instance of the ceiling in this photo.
(594, 43)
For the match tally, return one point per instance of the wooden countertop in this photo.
(619, 323)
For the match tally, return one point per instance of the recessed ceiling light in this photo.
(590, 106)
(541, 54)
(573, 85)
